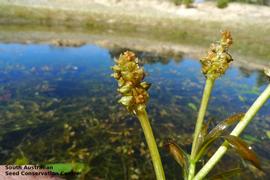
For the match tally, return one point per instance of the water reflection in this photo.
(261, 78)
(150, 57)
(60, 105)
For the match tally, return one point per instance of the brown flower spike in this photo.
(217, 60)
(130, 82)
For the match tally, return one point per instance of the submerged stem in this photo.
(256, 106)
(206, 95)
(142, 116)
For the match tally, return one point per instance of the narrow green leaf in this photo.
(192, 106)
(217, 132)
(226, 174)
(243, 149)
(250, 139)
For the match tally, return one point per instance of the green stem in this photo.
(192, 168)
(256, 106)
(142, 116)
(206, 95)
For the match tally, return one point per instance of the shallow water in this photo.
(59, 104)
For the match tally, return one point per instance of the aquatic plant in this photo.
(135, 96)
(220, 59)
(214, 65)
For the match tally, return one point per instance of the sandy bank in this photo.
(235, 12)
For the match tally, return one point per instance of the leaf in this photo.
(250, 139)
(216, 132)
(204, 130)
(241, 98)
(243, 149)
(67, 167)
(202, 135)
(226, 174)
(178, 154)
(22, 161)
(223, 125)
(192, 106)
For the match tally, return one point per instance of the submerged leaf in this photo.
(217, 132)
(223, 125)
(192, 106)
(250, 139)
(243, 149)
(226, 174)
(179, 155)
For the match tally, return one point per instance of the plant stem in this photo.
(206, 95)
(256, 106)
(142, 116)
(192, 168)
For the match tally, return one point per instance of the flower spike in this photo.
(217, 60)
(130, 77)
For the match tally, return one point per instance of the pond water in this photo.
(59, 105)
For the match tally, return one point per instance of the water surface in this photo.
(59, 104)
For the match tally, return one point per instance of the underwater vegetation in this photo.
(58, 107)
(134, 93)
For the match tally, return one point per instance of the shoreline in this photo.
(97, 23)
(69, 39)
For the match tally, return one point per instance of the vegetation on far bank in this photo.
(251, 38)
(225, 2)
